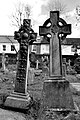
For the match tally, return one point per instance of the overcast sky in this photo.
(7, 8)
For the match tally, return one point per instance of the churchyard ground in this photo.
(7, 80)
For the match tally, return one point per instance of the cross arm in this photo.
(33, 35)
(66, 29)
(44, 30)
(32, 38)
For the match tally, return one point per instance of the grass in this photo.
(34, 87)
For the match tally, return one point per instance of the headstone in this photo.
(64, 67)
(45, 69)
(20, 97)
(32, 60)
(56, 94)
(30, 75)
(69, 67)
(3, 61)
(37, 64)
(77, 65)
(69, 62)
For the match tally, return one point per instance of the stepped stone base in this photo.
(18, 100)
(56, 96)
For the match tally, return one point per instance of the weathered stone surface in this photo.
(20, 98)
(16, 100)
(30, 75)
(24, 36)
(55, 46)
(57, 94)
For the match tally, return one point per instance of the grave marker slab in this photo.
(64, 67)
(56, 95)
(3, 61)
(20, 97)
(69, 62)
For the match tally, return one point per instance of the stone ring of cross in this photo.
(54, 29)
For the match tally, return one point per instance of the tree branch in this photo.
(22, 11)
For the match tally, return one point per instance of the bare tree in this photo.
(56, 5)
(22, 11)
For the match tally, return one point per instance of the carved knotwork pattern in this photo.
(22, 63)
(24, 36)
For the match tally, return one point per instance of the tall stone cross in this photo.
(53, 27)
(25, 36)
(20, 98)
(56, 95)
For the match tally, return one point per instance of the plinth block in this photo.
(57, 95)
(56, 99)
(18, 100)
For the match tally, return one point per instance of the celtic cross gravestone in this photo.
(55, 48)
(25, 36)
(56, 94)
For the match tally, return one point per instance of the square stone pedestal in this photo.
(56, 96)
(18, 100)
